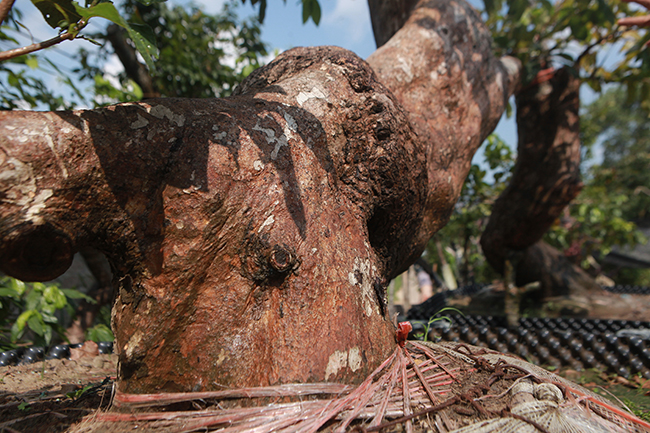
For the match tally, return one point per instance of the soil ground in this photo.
(55, 395)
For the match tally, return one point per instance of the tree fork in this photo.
(251, 238)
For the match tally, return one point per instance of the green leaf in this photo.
(21, 321)
(8, 293)
(36, 324)
(49, 318)
(141, 35)
(306, 10)
(32, 62)
(262, 14)
(32, 300)
(16, 333)
(315, 11)
(58, 13)
(17, 285)
(78, 393)
(76, 294)
(99, 333)
(47, 334)
(55, 297)
(145, 42)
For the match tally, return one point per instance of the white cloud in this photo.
(351, 17)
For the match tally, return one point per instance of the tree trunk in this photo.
(545, 179)
(251, 238)
(388, 16)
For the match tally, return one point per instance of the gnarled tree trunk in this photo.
(546, 178)
(251, 238)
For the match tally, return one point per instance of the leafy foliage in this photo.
(20, 85)
(201, 55)
(463, 232)
(617, 191)
(27, 311)
(99, 333)
(621, 127)
(71, 18)
(545, 34)
(310, 9)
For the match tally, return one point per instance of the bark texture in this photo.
(440, 68)
(556, 274)
(251, 238)
(388, 16)
(546, 178)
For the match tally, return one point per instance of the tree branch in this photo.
(440, 67)
(388, 17)
(5, 7)
(128, 56)
(10, 54)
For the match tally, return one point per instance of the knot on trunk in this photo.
(282, 259)
(262, 261)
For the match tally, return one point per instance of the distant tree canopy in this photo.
(614, 201)
(622, 127)
(198, 55)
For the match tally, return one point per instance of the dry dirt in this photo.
(55, 395)
(50, 396)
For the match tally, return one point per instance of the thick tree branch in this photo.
(388, 16)
(5, 7)
(441, 68)
(546, 178)
(547, 173)
(251, 237)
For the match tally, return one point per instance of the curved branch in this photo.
(10, 54)
(5, 7)
(547, 174)
(128, 56)
(441, 68)
(642, 21)
(388, 16)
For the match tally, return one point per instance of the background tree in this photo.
(615, 198)
(546, 175)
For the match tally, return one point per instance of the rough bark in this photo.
(440, 68)
(388, 16)
(546, 178)
(251, 238)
